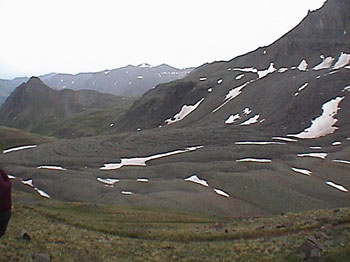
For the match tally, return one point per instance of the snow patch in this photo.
(259, 143)
(326, 63)
(317, 155)
(282, 70)
(284, 139)
(106, 72)
(18, 148)
(337, 186)
(141, 161)
(270, 70)
(254, 160)
(336, 143)
(302, 171)
(197, 180)
(347, 88)
(232, 119)
(210, 90)
(315, 147)
(239, 76)
(303, 66)
(185, 111)
(52, 168)
(250, 121)
(343, 60)
(140, 77)
(107, 181)
(220, 81)
(303, 87)
(127, 193)
(143, 180)
(324, 124)
(203, 79)
(247, 111)
(231, 95)
(341, 161)
(30, 183)
(221, 193)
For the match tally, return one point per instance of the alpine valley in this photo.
(262, 134)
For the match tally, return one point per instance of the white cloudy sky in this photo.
(71, 36)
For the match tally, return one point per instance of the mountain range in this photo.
(125, 81)
(262, 134)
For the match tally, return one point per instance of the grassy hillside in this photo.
(11, 137)
(84, 232)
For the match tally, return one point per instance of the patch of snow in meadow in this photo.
(203, 79)
(254, 160)
(342, 161)
(142, 180)
(185, 111)
(302, 171)
(229, 69)
(108, 181)
(251, 120)
(52, 168)
(239, 76)
(282, 69)
(233, 93)
(336, 143)
(232, 119)
(111, 125)
(259, 143)
(141, 161)
(140, 77)
(220, 81)
(210, 90)
(325, 64)
(324, 124)
(284, 139)
(343, 60)
(337, 186)
(303, 66)
(18, 148)
(347, 88)
(221, 193)
(197, 180)
(11, 177)
(317, 155)
(265, 52)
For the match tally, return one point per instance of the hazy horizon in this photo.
(42, 37)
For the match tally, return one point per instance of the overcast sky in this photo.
(71, 36)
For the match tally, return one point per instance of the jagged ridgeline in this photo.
(283, 86)
(264, 133)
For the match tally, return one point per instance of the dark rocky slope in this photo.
(271, 77)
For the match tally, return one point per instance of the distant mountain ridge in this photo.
(33, 106)
(125, 81)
